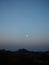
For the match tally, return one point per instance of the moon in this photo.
(27, 35)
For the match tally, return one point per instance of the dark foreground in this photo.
(23, 57)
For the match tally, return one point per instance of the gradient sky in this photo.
(19, 18)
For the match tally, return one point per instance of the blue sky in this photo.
(21, 17)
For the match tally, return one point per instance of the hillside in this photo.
(23, 57)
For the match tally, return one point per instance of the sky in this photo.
(24, 24)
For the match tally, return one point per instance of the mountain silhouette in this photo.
(23, 57)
